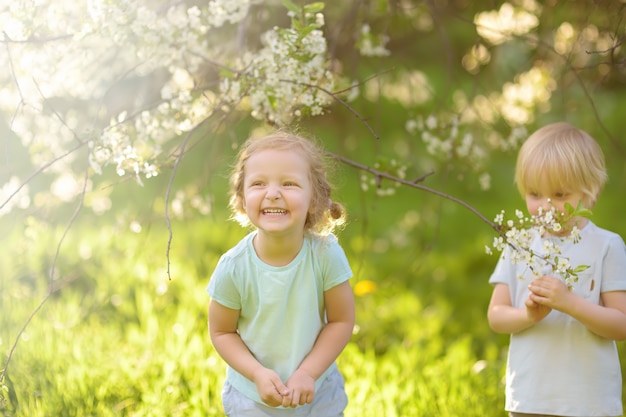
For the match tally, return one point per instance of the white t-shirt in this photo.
(558, 366)
(282, 309)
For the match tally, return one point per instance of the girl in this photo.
(562, 358)
(282, 309)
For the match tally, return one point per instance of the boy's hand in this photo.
(302, 387)
(550, 292)
(270, 387)
(536, 312)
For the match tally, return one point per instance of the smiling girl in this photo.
(282, 309)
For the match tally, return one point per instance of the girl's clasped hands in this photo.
(299, 389)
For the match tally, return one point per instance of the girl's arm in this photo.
(606, 320)
(330, 343)
(336, 334)
(228, 343)
(504, 318)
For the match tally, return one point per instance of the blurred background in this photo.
(106, 255)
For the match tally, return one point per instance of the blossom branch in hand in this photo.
(520, 233)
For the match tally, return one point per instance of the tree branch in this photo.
(413, 184)
(51, 289)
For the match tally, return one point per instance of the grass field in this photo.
(116, 337)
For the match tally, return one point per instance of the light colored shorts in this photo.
(330, 401)
(529, 415)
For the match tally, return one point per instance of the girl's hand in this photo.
(270, 387)
(302, 387)
(550, 292)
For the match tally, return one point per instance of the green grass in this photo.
(118, 338)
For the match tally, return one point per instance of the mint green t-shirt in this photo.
(281, 308)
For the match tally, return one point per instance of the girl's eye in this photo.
(290, 184)
(533, 194)
(560, 195)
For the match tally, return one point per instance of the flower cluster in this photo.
(133, 143)
(125, 112)
(519, 234)
(498, 26)
(390, 166)
(289, 77)
(448, 138)
(222, 11)
(371, 45)
(115, 145)
(12, 196)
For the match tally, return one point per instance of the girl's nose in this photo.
(272, 194)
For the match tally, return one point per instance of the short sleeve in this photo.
(504, 270)
(222, 286)
(614, 265)
(334, 263)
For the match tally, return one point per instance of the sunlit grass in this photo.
(120, 339)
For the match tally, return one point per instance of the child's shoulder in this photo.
(318, 241)
(240, 249)
(598, 232)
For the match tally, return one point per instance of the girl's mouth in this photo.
(271, 212)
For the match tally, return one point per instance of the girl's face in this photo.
(277, 191)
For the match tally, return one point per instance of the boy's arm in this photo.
(504, 318)
(330, 343)
(606, 320)
(228, 343)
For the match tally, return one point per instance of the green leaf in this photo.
(583, 212)
(272, 101)
(580, 268)
(580, 210)
(305, 31)
(291, 6)
(314, 7)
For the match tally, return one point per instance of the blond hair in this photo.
(564, 159)
(324, 215)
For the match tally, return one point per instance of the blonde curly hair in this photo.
(324, 214)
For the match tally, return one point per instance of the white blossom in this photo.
(545, 259)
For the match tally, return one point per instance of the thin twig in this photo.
(380, 174)
(181, 152)
(50, 290)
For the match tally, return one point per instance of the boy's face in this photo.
(547, 199)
